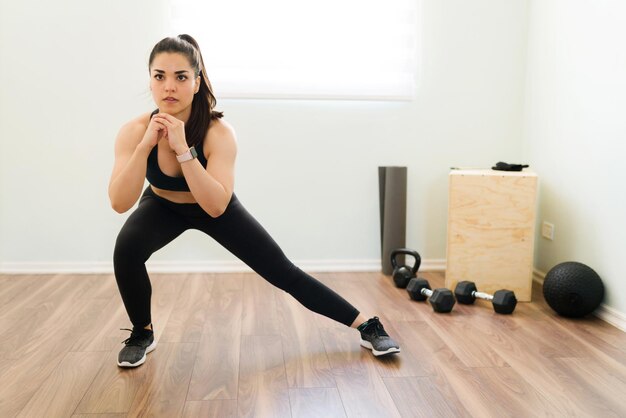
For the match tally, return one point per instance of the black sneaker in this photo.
(140, 343)
(374, 337)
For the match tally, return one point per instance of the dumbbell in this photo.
(402, 274)
(503, 301)
(442, 300)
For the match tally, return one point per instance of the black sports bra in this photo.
(159, 179)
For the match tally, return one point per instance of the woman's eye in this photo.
(180, 77)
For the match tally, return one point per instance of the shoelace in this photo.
(378, 329)
(133, 339)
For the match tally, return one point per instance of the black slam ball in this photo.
(573, 289)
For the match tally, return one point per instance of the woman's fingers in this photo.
(168, 120)
(158, 119)
(166, 116)
(159, 125)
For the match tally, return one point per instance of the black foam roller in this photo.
(392, 198)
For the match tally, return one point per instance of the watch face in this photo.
(194, 154)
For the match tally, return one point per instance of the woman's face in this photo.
(173, 83)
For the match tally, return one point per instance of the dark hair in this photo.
(204, 101)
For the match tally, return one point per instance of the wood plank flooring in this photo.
(231, 345)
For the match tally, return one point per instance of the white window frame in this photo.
(291, 49)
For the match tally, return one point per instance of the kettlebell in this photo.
(403, 274)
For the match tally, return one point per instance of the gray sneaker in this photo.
(140, 343)
(374, 337)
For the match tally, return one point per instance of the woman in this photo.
(187, 152)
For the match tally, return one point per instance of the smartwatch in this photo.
(186, 156)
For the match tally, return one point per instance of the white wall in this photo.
(575, 127)
(74, 71)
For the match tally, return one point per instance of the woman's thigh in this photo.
(150, 227)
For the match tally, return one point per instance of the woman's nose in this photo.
(169, 86)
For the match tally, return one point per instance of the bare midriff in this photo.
(174, 196)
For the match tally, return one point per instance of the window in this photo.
(326, 49)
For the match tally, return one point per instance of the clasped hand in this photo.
(173, 132)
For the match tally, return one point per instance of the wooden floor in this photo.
(231, 345)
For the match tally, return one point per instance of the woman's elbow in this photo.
(118, 205)
(119, 208)
(216, 211)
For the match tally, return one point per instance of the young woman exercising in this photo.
(187, 152)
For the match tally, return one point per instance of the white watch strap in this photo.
(186, 156)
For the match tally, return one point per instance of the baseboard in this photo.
(538, 276)
(223, 266)
(612, 316)
(604, 312)
(55, 268)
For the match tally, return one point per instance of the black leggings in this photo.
(157, 221)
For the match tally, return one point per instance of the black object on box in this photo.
(501, 166)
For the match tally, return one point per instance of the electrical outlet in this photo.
(547, 230)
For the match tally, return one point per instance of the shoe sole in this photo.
(141, 361)
(368, 345)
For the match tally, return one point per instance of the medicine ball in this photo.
(573, 289)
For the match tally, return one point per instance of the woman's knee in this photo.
(286, 276)
(130, 248)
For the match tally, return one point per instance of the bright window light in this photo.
(323, 49)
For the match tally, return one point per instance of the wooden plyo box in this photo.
(491, 230)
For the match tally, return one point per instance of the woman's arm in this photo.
(129, 170)
(212, 188)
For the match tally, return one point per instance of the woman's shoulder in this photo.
(136, 127)
(221, 130)
(220, 138)
(139, 122)
(221, 127)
